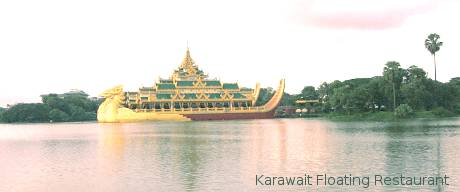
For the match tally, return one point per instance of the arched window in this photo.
(177, 105)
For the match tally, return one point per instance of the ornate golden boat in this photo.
(187, 95)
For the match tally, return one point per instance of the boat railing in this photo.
(224, 109)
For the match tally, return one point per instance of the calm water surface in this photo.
(222, 155)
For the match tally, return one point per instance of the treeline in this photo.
(54, 107)
(401, 91)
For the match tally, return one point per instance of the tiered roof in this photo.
(212, 83)
(185, 83)
(166, 86)
(230, 86)
(188, 70)
(187, 78)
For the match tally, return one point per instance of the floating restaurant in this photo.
(187, 95)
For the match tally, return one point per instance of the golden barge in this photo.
(187, 95)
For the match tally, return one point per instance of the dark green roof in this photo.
(230, 86)
(166, 86)
(190, 96)
(212, 83)
(184, 83)
(238, 96)
(214, 96)
(163, 96)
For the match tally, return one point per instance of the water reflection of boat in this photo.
(112, 140)
(187, 95)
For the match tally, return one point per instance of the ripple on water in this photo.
(220, 155)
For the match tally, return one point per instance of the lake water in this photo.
(224, 155)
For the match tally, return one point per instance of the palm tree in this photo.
(433, 45)
(394, 74)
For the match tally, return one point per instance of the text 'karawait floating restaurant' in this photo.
(187, 95)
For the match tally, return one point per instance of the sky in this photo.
(52, 46)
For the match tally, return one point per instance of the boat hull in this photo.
(230, 116)
(128, 115)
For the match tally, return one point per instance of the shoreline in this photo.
(382, 116)
(358, 117)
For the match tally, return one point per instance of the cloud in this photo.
(361, 14)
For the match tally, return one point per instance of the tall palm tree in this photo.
(433, 45)
(394, 74)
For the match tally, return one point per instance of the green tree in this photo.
(75, 106)
(376, 92)
(358, 101)
(2, 110)
(78, 100)
(323, 94)
(309, 92)
(63, 107)
(356, 97)
(404, 111)
(414, 90)
(454, 83)
(288, 100)
(323, 91)
(77, 113)
(443, 95)
(394, 75)
(56, 102)
(57, 115)
(264, 95)
(349, 99)
(326, 93)
(27, 112)
(433, 45)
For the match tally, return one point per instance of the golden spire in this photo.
(187, 61)
(187, 69)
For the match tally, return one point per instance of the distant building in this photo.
(75, 92)
(72, 92)
(306, 105)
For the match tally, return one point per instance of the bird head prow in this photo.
(117, 90)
